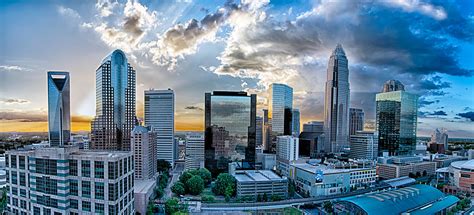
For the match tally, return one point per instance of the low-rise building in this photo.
(144, 193)
(252, 183)
(194, 151)
(266, 161)
(66, 180)
(287, 151)
(395, 167)
(461, 177)
(364, 145)
(322, 180)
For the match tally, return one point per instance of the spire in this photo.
(339, 50)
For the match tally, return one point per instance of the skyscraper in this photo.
(364, 145)
(280, 105)
(194, 151)
(393, 85)
(287, 150)
(296, 122)
(159, 114)
(440, 136)
(144, 152)
(115, 103)
(259, 131)
(356, 120)
(396, 119)
(336, 102)
(230, 123)
(266, 133)
(59, 116)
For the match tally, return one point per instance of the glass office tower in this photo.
(396, 120)
(336, 102)
(356, 120)
(230, 135)
(115, 103)
(296, 122)
(59, 116)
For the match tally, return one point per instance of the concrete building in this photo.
(115, 104)
(364, 145)
(461, 177)
(144, 149)
(194, 151)
(266, 161)
(314, 179)
(144, 193)
(336, 102)
(59, 114)
(159, 115)
(287, 152)
(254, 183)
(356, 120)
(395, 167)
(69, 181)
(311, 139)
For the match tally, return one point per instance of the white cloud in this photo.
(68, 12)
(12, 68)
(418, 6)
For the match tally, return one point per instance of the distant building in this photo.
(266, 132)
(396, 121)
(311, 139)
(315, 180)
(415, 199)
(230, 123)
(287, 151)
(395, 167)
(393, 85)
(356, 120)
(461, 177)
(364, 145)
(194, 151)
(66, 180)
(439, 140)
(259, 131)
(296, 122)
(159, 115)
(255, 183)
(59, 114)
(115, 104)
(336, 102)
(280, 109)
(267, 161)
(144, 152)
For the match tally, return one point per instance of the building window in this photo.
(86, 189)
(13, 158)
(86, 206)
(46, 166)
(73, 167)
(47, 185)
(99, 208)
(98, 169)
(22, 179)
(99, 190)
(74, 187)
(73, 203)
(22, 160)
(36, 211)
(113, 192)
(86, 168)
(463, 175)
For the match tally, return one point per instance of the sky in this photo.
(195, 47)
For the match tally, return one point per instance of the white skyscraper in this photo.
(194, 151)
(144, 149)
(287, 150)
(364, 145)
(336, 102)
(440, 137)
(159, 115)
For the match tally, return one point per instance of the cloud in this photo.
(13, 101)
(65, 11)
(468, 115)
(438, 113)
(193, 108)
(23, 116)
(417, 6)
(105, 7)
(422, 102)
(12, 68)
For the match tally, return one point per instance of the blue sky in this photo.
(200, 46)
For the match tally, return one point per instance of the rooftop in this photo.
(464, 165)
(143, 186)
(257, 176)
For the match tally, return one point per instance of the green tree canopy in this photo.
(185, 177)
(162, 165)
(178, 188)
(195, 185)
(205, 175)
(223, 181)
(171, 206)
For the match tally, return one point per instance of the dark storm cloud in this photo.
(228, 108)
(131, 25)
(438, 113)
(193, 108)
(468, 115)
(434, 83)
(422, 102)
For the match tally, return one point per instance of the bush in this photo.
(207, 199)
(225, 184)
(195, 185)
(178, 188)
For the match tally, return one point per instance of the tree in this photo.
(327, 205)
(159, 192)
(275, 198)
(178, 188)
(425, 173)
(207, 199)
(418, 174)
(195, 185)
(265, 197)
(172, 206)
(150, 208)
(205, 175)
(163, 181)
(185, 177)
(259, 198)
(223, 181)
(162, 165)
(411, 175)
(291, 188)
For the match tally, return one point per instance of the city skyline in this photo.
(434, 73)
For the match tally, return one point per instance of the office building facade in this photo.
(194, 151)
(115, 104)
(364, 145)
(280, 107)
(312, 139)
(230, 130)
(266, 132)
(356, 120)
(144, 151)
(59, 114)
(65, 180)
(336, 102)
(296, 122)
(396, 121)
(259, 132)
(257, 183)
(287, 151)
(159, 115)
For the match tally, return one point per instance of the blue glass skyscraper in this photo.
(59, 117)
(115, 103)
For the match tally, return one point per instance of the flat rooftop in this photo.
(257, 176)
(143, 186)
(325, 169)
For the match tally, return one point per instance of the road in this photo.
(175, 173)
(278, 204)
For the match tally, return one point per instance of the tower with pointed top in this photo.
(115, 104)
(59, 116)
(336, 102)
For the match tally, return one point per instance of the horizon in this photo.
(240, 46)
